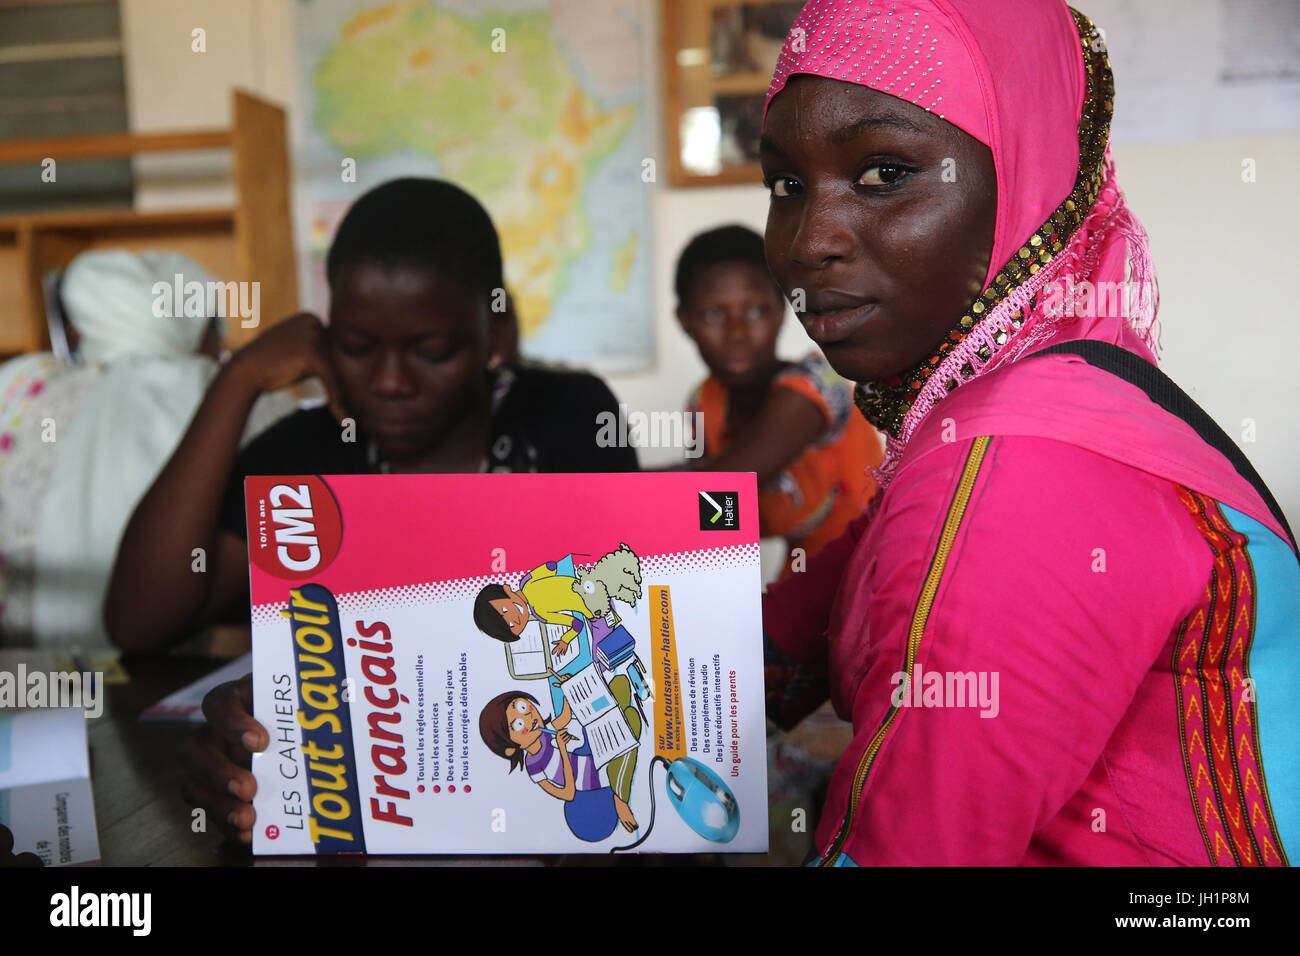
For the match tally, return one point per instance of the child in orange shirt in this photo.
(794, 424)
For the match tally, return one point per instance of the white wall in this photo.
(1226, 253)
(169, 86)
(1224, 250)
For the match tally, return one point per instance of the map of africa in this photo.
(537, 107)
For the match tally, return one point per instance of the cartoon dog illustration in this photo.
(616, 575)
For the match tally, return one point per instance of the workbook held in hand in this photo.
(507, 663)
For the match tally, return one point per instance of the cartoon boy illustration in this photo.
(545, 593)
(577, 599)
(513, 727)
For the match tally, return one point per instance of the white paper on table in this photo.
(39, 745)
(45, 796)
(186, 704)
(54, 820)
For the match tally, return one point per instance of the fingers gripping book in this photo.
(507, 663)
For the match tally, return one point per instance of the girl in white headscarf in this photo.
(80, 443)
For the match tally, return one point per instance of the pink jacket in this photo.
(1095, 616)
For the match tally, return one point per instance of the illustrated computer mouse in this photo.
(702, 800)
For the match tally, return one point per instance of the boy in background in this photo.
(792, 423)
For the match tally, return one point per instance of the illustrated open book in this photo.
(604, 726)
(530, 658)
(507, 663)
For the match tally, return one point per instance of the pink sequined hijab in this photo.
(1030, 80)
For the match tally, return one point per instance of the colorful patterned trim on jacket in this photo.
(1220, 689)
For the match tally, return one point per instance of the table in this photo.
(135, 773)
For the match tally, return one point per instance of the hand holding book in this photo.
(217, 756)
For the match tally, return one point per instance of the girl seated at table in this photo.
(411, 362)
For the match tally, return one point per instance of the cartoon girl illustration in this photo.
(513, 727)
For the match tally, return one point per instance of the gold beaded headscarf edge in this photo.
(886, 405)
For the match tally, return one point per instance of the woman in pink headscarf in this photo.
(1065, 632)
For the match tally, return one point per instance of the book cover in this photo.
(45, 796)
(508, 663)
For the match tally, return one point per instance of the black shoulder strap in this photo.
(1160, 388)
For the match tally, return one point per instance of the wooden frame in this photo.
(251, 242)
(690, 81)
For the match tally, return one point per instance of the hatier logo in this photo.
(719, 511)
(294, 526)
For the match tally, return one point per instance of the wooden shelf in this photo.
(123, 219)
(251, 241)
(741, 84)
(686, 25)
(109, 144)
